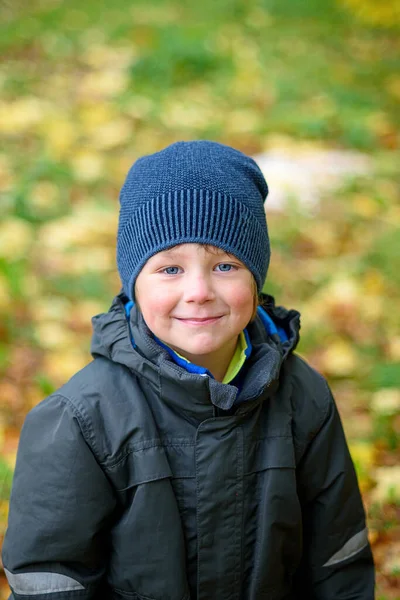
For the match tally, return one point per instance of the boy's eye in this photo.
(224, 267)
(171, 270)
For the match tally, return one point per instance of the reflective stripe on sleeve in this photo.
(351, 547)
(32, 584)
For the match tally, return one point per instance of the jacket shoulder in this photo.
(311, 401)
(109, 402)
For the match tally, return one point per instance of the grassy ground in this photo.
(88, 88)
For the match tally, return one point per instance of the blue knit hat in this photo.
(201, 192)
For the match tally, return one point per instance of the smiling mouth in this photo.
(198, 321)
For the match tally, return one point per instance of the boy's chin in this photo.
(194, 350)
(190, 351)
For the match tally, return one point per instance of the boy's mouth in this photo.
(198, 321)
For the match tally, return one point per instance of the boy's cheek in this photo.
(241, 298)
(156, 306)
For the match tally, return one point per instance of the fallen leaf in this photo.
(393, 349)
(103, 84)
(386, 401)
(16, 237)
(22, 114)
(60, 134)
(340, 359)
(387, 488)
(87, 166)
(53, 335)
(61, 365)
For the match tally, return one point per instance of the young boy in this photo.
(196, 457)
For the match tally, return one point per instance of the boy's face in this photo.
(196, 300)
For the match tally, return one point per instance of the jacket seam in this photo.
(85, 425)
(143, 446)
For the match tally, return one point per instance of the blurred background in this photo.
(311, 89)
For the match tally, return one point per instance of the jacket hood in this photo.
(122, 336)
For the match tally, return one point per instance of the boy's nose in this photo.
(198, 289)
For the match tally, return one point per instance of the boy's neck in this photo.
(216, 362)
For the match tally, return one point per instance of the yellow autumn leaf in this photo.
(87, 166)
(387, 486)
(99, 56)
(393, 348)
(363, 453)
(104, 84)
(85, 226)
(118, 166)
(51, 308)
(10, 458)
(373, 535)
(393, 214)
(93, 114)
(341, 291)
(3, 512)
(16, 237)
(242, 121)
(80, 261)
(93, 259)
(57, 235)
(59, 133)
(339, 359)
(54, 335)
(364, 458)
(386, 401)
(364, 206)
(61, 365)
(373, 282)
(324, 238)
(185, 114)
(83, 311)
(22, 114)
(372, 307)
(112, 134)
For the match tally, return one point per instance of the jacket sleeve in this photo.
(337, 560)
(60, 509)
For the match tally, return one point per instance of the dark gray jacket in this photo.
(138, 480)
